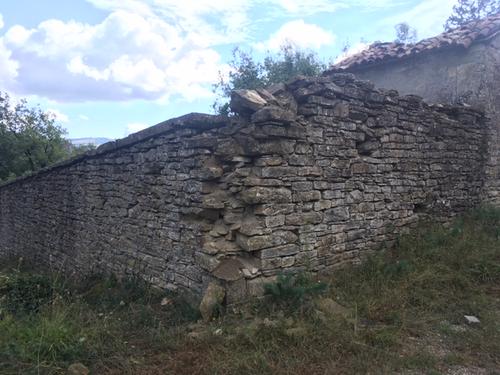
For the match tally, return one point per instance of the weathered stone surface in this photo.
(208, 262)
(252, 226)
(244, 101)
(211, 170)
(212, 298)
(219, 245)
(229, 269)
(330, 307)
(304, 218)
(262, 242)
(78, 369)
(257, 194)
(471, 319)
(215, 200)
(279, 251)
(273, 113)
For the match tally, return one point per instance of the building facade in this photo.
(459, 66)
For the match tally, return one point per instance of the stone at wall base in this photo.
(78, 369)
(212, 299)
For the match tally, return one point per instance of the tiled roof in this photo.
(462, 37)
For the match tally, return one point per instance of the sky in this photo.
(108, 68)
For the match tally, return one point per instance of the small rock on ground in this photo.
(331, 307)
(213, 297)
(78, 369)
(471, 319)
(462, 370)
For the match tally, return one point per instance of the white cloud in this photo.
(204, 22)
(77, 66)
(307, 7)
(212, 22)
(8, 67)
(133, 6)
(428, 17)
(150, 49)
(58, 115)
(126, 56)
(357, 48)
(299, 34)
(17, 35)
(83, 117)
(310, 7)
(135, 127)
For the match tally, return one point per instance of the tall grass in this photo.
(48, 322)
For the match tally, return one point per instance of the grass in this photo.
(401, 311)
(48, 323)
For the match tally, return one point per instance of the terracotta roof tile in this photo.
(462, 37)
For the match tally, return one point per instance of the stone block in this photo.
(259, 194)
(262, 242)
(304, 218)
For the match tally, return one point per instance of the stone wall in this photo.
(308, 175)
(449, 76)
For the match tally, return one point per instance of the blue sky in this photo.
(106, 68)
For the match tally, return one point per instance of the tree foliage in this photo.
(247, 73)
(405, 33)
(471, 10)
(29, 139)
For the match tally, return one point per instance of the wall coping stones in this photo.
(194, 120)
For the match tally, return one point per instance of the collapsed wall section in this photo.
(308, 175)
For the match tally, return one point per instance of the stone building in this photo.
(459, 66)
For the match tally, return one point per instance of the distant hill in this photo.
(89, 141)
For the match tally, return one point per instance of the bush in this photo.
(108, 292)
(293, 291)
(249, 73)
(26, 293)
(487, 217)
(41, 339)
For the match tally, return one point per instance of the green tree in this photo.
(405, 33)
(75, 150)
(29, 139)
(247, 73)
(471, 10)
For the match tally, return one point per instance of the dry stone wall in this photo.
(308, 175)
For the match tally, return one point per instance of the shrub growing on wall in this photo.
(248, 73)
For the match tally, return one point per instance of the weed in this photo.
(107, 292)
(26, 293)
(45, 340)
(421, 360)
(292, 291)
